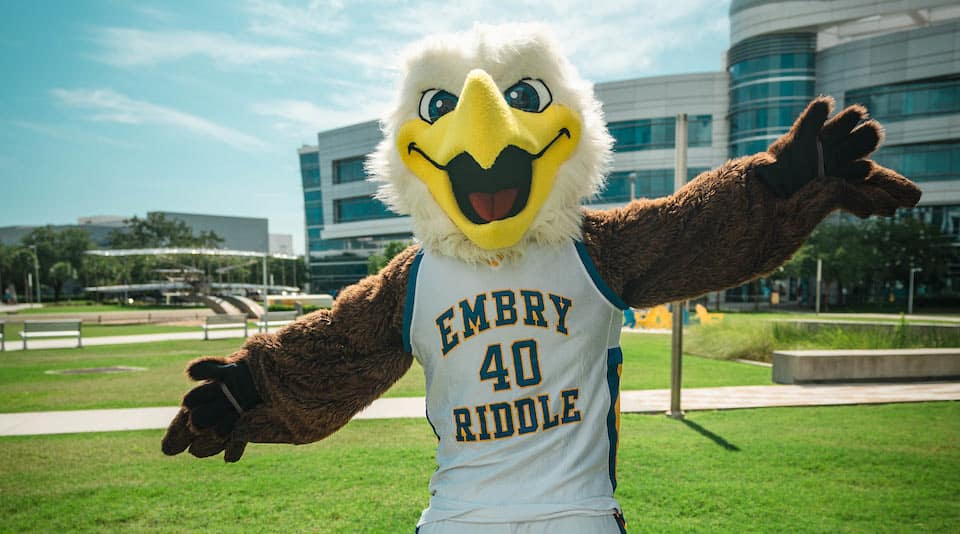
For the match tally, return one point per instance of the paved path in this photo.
(123, 340)
(650, 401)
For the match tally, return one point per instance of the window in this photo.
(349, 170)
(699, 130)
(923, 162)
(314, 215)
(659, 133)
(649, 183)
(746, 148)
(765, 119)
(774, 64)
(310, 169)
(921, 98)
(313, 207)
(360, 209)
(771, 90)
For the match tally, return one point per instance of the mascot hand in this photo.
(210, 411)
(816, 148)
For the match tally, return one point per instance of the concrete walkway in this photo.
(68, 343)
(649, 401)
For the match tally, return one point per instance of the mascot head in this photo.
(492, 143)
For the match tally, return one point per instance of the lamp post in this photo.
(676, 349)
(913, 271)
(36, 270)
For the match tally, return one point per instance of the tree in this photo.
(379, 261)
(911, 243)
(59, 274)
(53, 246)
(864, 257)
(156, 231)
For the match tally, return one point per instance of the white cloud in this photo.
(111, 106)
(129, 47)
(280, 19)
(606, 39)
(300, 117)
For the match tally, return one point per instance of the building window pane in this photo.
(648, 183)
(310, 169)
(923, 162)
(360, 209)
(349, 170)
(921, 98)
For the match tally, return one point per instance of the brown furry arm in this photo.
(317, 373)
(746, 217)
(311, 377)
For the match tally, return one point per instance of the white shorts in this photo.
(601, 524)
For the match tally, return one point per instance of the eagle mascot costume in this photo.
(511, 298)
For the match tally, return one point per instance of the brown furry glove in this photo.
(838, 148)
(211, 411)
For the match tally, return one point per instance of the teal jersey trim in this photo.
(614, 359)
(602, 286)
(411, 295)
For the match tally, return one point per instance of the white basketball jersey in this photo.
(522, 365)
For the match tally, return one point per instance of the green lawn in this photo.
(892, 468)
(24, 385)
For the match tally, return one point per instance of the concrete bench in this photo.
(213, 322)
(276, 319)
(803, 366)
(57, 328)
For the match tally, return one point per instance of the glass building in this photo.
(897, 58)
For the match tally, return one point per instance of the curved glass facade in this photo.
(772, 78)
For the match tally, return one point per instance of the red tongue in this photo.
(493, 206)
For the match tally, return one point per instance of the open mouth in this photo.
(494, 194)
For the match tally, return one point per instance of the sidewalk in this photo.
(69, 343)
(650, 401)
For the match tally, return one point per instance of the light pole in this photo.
(913, 271)
(676, 348)
(36, 270)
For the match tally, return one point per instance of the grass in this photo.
(893, 468)
(755, 337)
(24, 386)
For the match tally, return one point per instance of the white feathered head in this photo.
(492, 143)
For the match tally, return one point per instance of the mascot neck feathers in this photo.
(493, 142)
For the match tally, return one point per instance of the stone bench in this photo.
(59, 328)
(804, 366)
(213, 322)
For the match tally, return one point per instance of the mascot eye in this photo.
(436, 103)
(529, 95)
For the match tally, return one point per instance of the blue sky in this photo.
(119, 107)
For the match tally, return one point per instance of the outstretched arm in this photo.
(304, 382)
(747, 217)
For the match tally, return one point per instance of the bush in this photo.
(752, 338)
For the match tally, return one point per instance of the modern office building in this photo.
(900, 58)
